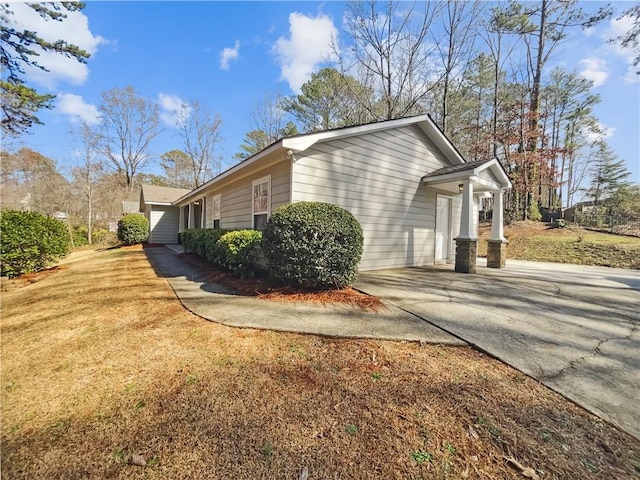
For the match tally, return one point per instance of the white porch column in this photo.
(497, 244)
(497, 218)
(466, 241)
(467, 232)
(190, 218)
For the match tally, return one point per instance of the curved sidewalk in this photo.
(216, 303)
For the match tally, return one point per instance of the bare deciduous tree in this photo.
(387, 52)
(200, 133)
(87, 174)
(129, 123)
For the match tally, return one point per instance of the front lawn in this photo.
(102, 367)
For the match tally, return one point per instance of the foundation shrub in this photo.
(240, 251)
(133, 229)
(313, 245)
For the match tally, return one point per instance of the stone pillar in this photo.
(497, 244)
(466, 255)
(496, 253)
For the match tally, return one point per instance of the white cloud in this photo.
(309, 46)
(599, 133)
(174, 110)
(76, 108)
(595, 69)
(229, 54)
(74, 29)
(616, 28)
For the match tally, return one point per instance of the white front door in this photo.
(443, 229)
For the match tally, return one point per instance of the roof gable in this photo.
(287, 146)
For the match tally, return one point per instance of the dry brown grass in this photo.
(100, 361)
(537, 241)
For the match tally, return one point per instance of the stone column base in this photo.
(466, 255)
(496, 253)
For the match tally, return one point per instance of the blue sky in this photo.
(228, 55)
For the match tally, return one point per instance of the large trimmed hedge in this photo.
(235, 250)
(133, 229)
(30, 242)
(313, 245)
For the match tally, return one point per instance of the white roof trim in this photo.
(245, 163)
(303, 142)
(496, 168)
(300, 143)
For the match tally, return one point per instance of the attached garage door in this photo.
(164, 224)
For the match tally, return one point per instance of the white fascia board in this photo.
(230, 171)
(303, 142)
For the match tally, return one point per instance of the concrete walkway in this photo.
(574, 328)
(214, 302)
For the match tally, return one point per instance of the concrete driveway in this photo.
(574, 328)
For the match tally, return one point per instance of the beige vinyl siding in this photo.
(488, 175)
(235, 201)
(377, 177)
(163, 224)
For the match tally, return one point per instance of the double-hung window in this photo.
(261, 200)
(215, 210)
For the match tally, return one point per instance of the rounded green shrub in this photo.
(133, 229)
(240, 251)
(30, 242)
(313, 245)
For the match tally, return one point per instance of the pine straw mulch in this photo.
(264, 289)
(103, 369)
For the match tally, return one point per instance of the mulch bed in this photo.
(265, 289)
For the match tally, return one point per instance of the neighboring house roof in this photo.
(299, 143)
(130, 207)
(155, 195)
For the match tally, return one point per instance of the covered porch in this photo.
(475, 180)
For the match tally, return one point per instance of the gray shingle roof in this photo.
(463, 167)
(155, 194)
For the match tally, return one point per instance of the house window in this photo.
(215, 211)
(261, 201)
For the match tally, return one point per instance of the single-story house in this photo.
(157, 205)
(403, 180)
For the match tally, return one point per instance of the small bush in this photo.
(30, 242)
(314, 245)
(133, 229)
(240, 251)
(204, 243)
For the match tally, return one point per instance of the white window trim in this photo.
(203, 212)
(266, 179)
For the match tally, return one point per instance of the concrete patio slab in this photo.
(574, 328)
